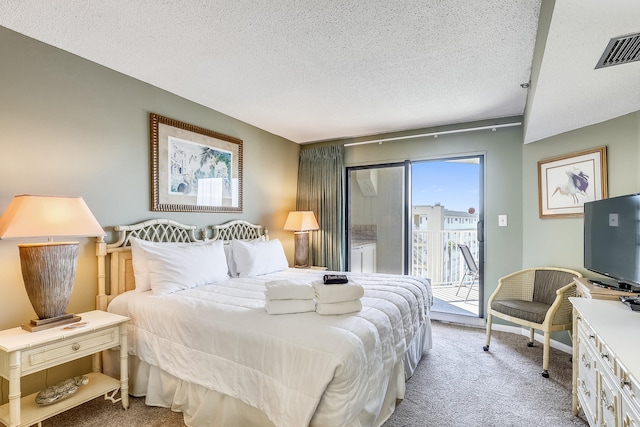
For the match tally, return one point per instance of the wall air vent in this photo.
(621, 50)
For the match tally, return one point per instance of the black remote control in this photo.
(335, 279)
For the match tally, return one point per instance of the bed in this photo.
(206, 346)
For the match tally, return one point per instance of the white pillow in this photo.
(139, 262)
(258, 257)
(228, 251)
(169, 267)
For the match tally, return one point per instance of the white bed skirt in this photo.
(203, 407)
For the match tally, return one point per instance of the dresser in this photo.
(606, 362)
(23, 353)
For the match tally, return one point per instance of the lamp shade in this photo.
(48, 216)
(48, 269)
(301, 221)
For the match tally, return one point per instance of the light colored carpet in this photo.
(458, 384)
(455, 384)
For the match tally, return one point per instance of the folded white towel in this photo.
(289, 306)
(283, 289)
(334, 308)
(337, 293)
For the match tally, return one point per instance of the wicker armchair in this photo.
(537, 298)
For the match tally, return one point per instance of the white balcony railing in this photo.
(436, 254)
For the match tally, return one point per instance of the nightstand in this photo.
(315, 267)
(23, 353)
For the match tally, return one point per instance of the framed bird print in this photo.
(566, 182)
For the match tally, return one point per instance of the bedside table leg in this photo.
(124, 367)
(14, 389)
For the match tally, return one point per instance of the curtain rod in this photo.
(435, 134)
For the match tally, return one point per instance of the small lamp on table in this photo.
(301, 222)
(48, 268)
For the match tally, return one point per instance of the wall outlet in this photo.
(502, 220)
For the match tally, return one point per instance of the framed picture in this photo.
(566, 182)
(194, 169)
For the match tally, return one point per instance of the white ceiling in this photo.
(312, 70)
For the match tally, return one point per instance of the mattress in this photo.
(297, 369)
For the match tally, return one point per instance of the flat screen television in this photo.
(612, 239)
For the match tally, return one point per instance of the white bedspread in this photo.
(289, 366)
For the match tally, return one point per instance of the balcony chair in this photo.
(537, 298)
(470, 270)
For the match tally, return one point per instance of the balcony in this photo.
(435, 255)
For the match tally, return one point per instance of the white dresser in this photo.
(606, 362)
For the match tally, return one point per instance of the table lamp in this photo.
(301, 222)
(48, 268)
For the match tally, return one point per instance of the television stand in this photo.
(616, 285)
(586, 288)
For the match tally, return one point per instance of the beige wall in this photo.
(70, 126)
(559, 241)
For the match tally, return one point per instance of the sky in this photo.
(452, 184)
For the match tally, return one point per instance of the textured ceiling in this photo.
(569, 92)
(313, 70)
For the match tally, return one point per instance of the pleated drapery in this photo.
(321, 190)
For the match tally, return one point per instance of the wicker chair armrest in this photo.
(561, 310)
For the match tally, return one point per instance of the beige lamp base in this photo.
(48, 272)
(301, 242)
(52, 322)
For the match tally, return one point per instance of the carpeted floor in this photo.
(458, 384)
(455, 384)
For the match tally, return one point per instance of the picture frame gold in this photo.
(194, 169)
(566, 182)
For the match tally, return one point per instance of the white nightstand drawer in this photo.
(71, 348)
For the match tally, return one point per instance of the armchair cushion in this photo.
(531, 311)
(547, 282)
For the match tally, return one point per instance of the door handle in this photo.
(480, 230)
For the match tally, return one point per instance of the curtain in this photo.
(321, 190)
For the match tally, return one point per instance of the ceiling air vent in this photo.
(621, 50)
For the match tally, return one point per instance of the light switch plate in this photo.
(502, 220)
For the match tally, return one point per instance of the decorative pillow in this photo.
(258, 257)
(176, 267)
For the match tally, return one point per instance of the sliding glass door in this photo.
(447, 217)
(376, 219)
(414, 218)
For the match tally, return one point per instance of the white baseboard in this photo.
(457, 318)
(539, 338)
(478, 322)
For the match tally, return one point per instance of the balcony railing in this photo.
(436, 254)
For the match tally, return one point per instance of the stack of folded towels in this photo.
(339, 298)
(285, 297)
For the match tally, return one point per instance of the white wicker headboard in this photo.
(238, 230)
(118, 254)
